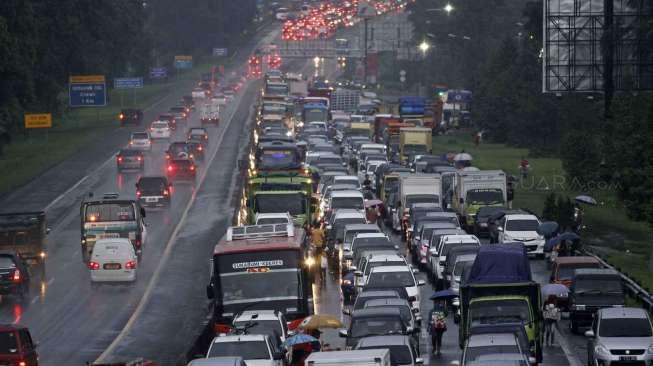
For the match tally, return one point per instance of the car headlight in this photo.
(601, 350)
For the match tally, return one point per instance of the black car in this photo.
(180, 112)
(14, 274)
(483, 215)
(130, 159)
(593, 289)
(130, 115)
(196, 148)
(168, 117)
(179, 149)
(375, 322)
(154, 191)
(181, 169)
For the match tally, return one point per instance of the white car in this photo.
(282, 14)
(397, 276)
(256, 349)
(160, 130)
(444, 246)
(140, 141)
(347, 179)
(522, 228)
(113, 260)
(376, 259)
(263, 322)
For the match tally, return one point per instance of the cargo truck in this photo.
(411, 110)
(412, 189)
(24, 233)
(476, 189)
(500, 291)
(414, 141)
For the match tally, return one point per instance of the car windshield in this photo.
(485, 196)
(278, 158)
(363, 327)
(371, 265)
(294, 203)
(271, 220)
(347, 202)
(404, 310)
(150, 184)
(8, 343)
(625, 327)
(522, 225)
(349, 237)
(458, 268)
(499, 312)
(315, 114)
(102, 212)
(473, 353)
(140, 136)
(252, 350)
(256, 326)
(6, 262)
(239, 287)
(399, 354)
(391, 279)
(566, 272)
(598, 286)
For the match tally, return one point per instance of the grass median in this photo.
(624, 243)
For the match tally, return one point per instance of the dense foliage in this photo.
(42, 42)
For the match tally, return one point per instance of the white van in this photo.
(113, 260)
(368, 357)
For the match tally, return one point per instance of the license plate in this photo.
(111, 266)
(627, 358)
(108, 236)
(151, 199)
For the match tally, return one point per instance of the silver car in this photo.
(620, 335)
(494, 349)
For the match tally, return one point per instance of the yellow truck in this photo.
(414, 141)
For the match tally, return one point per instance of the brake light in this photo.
(15, 276)
(192, 167)
(170, 168)
(167, 156)
(22, 363)
(140, 158)
(192, 156)
(122, 116)
(130, 265)
(138, 193)
(119, 158)
(138, 243)
(93, 266)
(200, 148)
(165, 192)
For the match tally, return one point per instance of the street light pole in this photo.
(365, 53)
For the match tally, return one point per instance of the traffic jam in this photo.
(355, 240)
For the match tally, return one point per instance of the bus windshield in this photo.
(104, 212)
(292, 203)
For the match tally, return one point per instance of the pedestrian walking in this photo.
(437, 327)
(317, 238)
(551, 318)
(524, 167)
(324, 266)
(510, 194)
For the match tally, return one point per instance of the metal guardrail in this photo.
(632, 287)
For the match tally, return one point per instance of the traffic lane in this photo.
(73, 320)
(177, 307)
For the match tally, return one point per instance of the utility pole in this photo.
(608, 55)
(365, 53)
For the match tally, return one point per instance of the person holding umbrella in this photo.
(436, 328)
(551, 317)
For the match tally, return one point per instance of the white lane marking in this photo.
(166, 253)
(566, 348)
(157, 102)
(35, 299)
(94, 172)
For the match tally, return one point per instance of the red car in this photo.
(17, 347)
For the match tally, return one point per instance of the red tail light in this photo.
(16, 276)
(138, 243)
(165, 192)
(130, 265)
(93, 266)
(167, 156)
(140, 158)
(192, 167)
(120, 159)
(22, 363)
(122, 116)
(138, 193)
(170, 168)
(200, 148)
(222, 328)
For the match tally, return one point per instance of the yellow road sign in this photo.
(183, 57)
(38, 120)
(87, 79)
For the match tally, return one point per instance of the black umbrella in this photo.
(547, 228)
(443, 295)
(585, 199)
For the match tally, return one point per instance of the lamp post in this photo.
(447, 9)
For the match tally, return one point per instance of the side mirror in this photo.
(419, 361)
(343, 333)
(358, 273)
(410, 330)
(346, 311)
(421, 282)
(415, 271)
(532, 360)
(418, 238)
(500, 228)
(589, 334)
(209, 292)
(433, 252)
(47, 230)
(396, 247)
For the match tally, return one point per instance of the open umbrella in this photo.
(554, 289)
(443, 295)
(319, 321)
(372, 203)
(567, 235)
(299, 338)
(585, 199)
(462, 157)
(547, 228)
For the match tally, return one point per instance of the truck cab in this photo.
(476, 189)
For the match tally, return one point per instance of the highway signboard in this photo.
(128, 83)
(38, 120)
(183, 62)
(158, 72)
(220, 52)
(87, 91)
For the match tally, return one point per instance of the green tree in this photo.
(550, 210)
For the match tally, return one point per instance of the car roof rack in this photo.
(259, 231)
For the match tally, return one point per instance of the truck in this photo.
(210, 112)
(314, 112)
(414, 141)
(412, 108)
(24, 233)
(500, 290)
(298, 88)
(412, 189)
(344, 100)
(476, 189)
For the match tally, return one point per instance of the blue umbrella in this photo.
(443, 295)
(567, 235)
(554, 289)
(300, 338)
